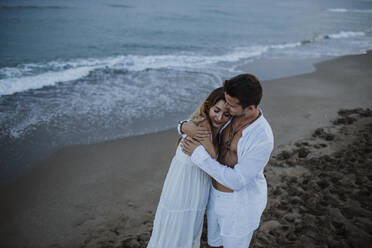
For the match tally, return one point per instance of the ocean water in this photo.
(87, 71)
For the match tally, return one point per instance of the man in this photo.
(239, 193)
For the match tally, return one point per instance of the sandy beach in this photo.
(320, 181)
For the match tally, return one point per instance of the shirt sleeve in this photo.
(179, 128)
(250, 164)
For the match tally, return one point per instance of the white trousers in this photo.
(220, 217)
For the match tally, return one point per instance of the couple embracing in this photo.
(218, 168)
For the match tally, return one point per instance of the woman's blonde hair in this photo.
(203, 109)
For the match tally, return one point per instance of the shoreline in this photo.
(15, 167)
(32, 153)
(91, 195)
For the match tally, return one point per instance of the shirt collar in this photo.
(255, 123)
(252, 125)
(226, 124)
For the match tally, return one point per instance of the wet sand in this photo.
(105, 195)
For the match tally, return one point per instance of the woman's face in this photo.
(218, 114)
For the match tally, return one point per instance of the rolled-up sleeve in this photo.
(249, 165)
(179, 127)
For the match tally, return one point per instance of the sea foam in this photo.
(337, 10)
(340, 10)
(12, 85)
(346, 34)
(32, 76)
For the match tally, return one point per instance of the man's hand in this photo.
(189, 145)
(192, 129)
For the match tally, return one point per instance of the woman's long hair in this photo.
(203, 109)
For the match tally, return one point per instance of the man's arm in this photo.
(252, 162)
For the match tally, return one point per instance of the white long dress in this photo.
(180, 214)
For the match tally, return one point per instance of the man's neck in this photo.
(245, 119)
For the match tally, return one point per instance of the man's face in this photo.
(233, 106)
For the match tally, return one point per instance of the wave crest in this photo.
(340, 10)
(34, 76)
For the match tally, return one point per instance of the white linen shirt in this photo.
(246, 178)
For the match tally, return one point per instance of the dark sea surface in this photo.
(87, 71)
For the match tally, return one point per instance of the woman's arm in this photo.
(207, 141)
(207, 144)
(200, 130)
(194, 130)
(209, 147)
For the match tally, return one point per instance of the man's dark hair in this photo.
(246, 88)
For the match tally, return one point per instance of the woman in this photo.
(179, 217)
